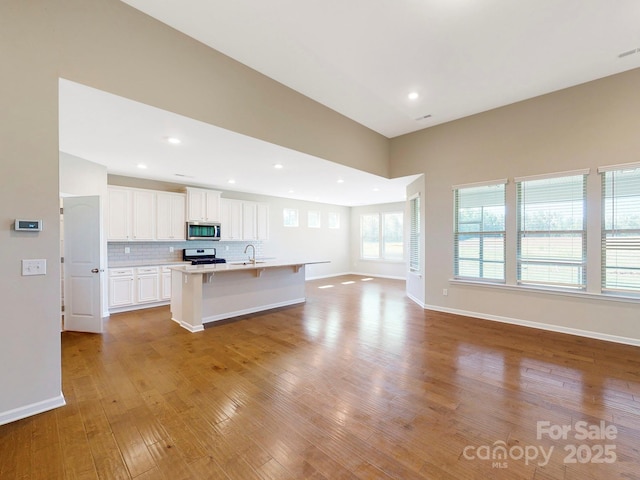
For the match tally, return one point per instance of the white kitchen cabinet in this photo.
(131, 214)
(231, 219)
(170, 218)
(262, 221)
(165, 284)
(144, 215)
(121, 287)
(119, 214)
(249, 227)
(147, 285)
(244, 220)
(203, 205)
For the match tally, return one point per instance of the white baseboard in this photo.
(320, 277)
(375, 275)
(355, 273)
(32, 409)
(247, 311)
(416, 300)
(540, 326)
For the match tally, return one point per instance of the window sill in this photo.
(548, 291)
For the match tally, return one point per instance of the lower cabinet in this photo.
(147, 285)
(120, 287)
(138, 287)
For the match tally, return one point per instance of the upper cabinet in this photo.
(203, 205)
(136, 214)
(244, 220)
(119, 214)
(170, 222)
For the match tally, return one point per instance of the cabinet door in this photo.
(262, 221)
(212, 202)
(144, 215)
(170, 219)
(196, 204)
(249, 227)
(231, 219)
(147, 288)
(120, 291)
(165, 290)
(178, 222)
(119, 214)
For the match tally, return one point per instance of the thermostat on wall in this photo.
(28, 225)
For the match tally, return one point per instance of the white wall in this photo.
(382, 268)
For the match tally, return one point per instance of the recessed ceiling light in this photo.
(174, 140)
(142, 166)
(376, 189)
(231, 180)
(278, 165)
(291, 191)
(413, 96)
(340, 180)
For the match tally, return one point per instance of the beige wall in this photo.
(586, 126)
(108, 45)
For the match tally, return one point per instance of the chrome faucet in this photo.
(253, 260)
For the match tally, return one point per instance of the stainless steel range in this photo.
(201, 256)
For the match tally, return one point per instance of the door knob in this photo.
(95, 270)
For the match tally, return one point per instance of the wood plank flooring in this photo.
(357, 383)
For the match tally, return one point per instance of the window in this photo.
(381, 236)
(414, 234)
(621, 230)
(479, 236)
(333, 220)
(551, 230)
(290, 217)
(313, 219)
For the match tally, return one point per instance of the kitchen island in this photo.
(202, 294)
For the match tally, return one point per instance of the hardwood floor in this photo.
(359, 382)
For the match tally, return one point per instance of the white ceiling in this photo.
(360, 58)
(120, 134)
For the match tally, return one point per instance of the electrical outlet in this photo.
(445, 292)
(226, 248)
(170, 249)
(34, 267)
(127, 249)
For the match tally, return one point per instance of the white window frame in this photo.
(480, 232)
(551, 233)
(415, 234)
(618, 241)
(290, 217)
(382, 243)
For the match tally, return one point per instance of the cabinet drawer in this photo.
(120, 272)
(146, 270)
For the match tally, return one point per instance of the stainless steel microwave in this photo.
(203, 231)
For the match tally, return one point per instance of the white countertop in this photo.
(242, 265)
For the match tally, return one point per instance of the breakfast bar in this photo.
(202, 294)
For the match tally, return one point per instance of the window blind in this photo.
(479, 232)
(414, 234)
(621, 231)
(551, 231)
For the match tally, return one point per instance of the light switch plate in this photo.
(37, 266)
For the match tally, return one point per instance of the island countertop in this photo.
(242, 265)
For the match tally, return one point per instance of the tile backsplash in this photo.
(157, 253)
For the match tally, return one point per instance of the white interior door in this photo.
(82, 270)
